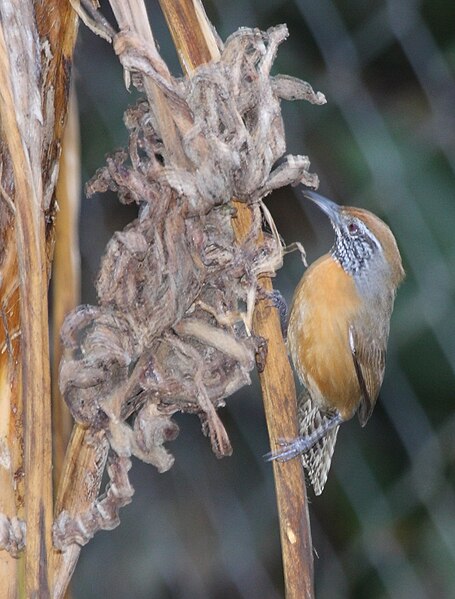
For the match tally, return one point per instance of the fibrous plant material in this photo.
(36, 47)
(172, 331)
(12, 534)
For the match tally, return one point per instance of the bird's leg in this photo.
(291, 449)
(278, 301)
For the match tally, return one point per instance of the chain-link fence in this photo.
(385, 524)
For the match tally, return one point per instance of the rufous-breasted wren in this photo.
(337, 332)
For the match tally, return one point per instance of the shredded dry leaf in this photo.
(172, 328)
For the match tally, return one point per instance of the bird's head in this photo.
(364, 244)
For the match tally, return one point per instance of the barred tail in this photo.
(317, 459)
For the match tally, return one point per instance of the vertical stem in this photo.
(191, 31)
(279, 396)
(32, 275)
(66, 270)
(132, 14)
(79, 487)
(11, 449)
(36, 392)
(195, 42)
(36, 43)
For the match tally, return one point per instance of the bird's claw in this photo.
(287, 451)
(278, 302)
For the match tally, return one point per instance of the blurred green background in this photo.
(385, 524)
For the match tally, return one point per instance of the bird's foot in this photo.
(278, 301)
(289, 449)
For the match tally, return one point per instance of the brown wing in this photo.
(368, 354)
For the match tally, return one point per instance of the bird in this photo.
(337, 333)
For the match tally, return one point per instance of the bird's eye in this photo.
(353, 228)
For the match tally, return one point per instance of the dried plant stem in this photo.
(11, 409)
(133, 14)
(65, 278)
(173, 118)
(279, 396)
(195, 43)
(81, 471)
(78, 489)
(32, 269)
(66, 270)
(191, 31)
(35, 48)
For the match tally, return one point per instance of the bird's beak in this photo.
(332, 210)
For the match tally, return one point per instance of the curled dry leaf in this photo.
(172, 330)
(12, 534)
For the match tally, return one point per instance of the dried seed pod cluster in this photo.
(172, 331)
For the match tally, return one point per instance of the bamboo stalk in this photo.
(195, 42)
